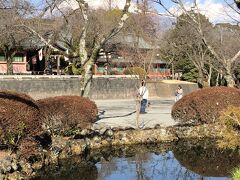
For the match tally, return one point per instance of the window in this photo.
(18, 58)
(2, 58)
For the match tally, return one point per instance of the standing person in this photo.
(178, 93)
(143, 93)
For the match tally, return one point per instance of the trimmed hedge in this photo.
(65, 114)
(19, 119)
(205, 105)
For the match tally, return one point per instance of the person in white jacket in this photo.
(178, 93)
(143, 93)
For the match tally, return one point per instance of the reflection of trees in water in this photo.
(187, 160)
(106, 168)
(205, 159)
(184, 160)
(70, 169)
(164, 165)
(141, 159)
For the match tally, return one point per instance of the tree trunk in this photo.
(87, 63)
(229, 77)
(202, 79)
(87, 78)
(217, 80)
(173, 73)
(9, 66)
(209, 76)
(230, 81)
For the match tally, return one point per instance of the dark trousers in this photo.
(143, 105)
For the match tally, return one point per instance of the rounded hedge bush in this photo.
(205, 105)
(65, 114)
(19, 119)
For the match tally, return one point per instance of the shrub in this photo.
(230, 122)
(114, 72)
(29, 148)
(65, 114)
(19, 118)
(236, 173)
(135, 71)
(205, 105)
(74, 68)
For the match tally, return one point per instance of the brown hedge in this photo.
(66, 113)
(19, 118)
(205, 105)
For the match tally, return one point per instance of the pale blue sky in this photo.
(216, 10)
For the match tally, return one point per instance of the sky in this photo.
(216, 10)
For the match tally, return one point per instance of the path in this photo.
(121, 113)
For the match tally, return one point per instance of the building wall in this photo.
(40, 87)
(18, 67)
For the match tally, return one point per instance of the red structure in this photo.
(19, 64)
(158, 69)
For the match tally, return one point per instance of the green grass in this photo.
(236, 173)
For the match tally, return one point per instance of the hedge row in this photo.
(205, 105)
(66, 113)
(23, 120)
(17, 114)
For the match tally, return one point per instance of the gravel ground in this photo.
(122, 113)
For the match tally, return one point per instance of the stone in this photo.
(15, 176)
(14, 165)
(37, 165)
(26, 167)
(5, 166)
(66, 152)
(84, 132)
(56, 150)
(97, 139)
(157, 126)
(77, 147)
(102, 131)
(109, 133)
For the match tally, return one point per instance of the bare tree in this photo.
(86, 51)
(88, 61)
(237, 3)
(186, 42)
(86, 24)
(195, 20)
(11, 37)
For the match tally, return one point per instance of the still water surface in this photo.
(181, 161)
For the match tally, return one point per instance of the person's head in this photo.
(179, 87)
(143, 83)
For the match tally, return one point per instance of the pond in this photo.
(183, 160)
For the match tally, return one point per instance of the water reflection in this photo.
(205, 159)
(182, 161)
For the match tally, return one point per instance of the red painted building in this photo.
(19, 64)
